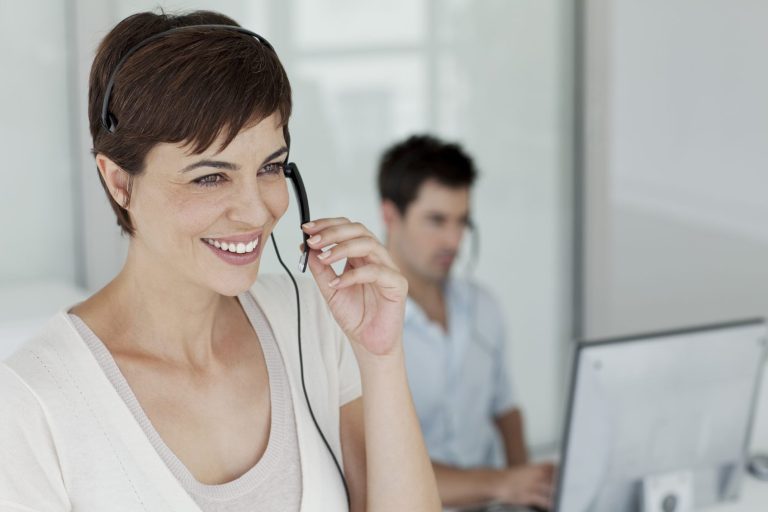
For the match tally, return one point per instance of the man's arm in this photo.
(465, 487)
(524, 485)
(510, 425)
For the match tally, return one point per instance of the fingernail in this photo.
(314, 239)
(323, 255)
(333, 283)
(308, 225)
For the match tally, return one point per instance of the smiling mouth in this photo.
(234, 247)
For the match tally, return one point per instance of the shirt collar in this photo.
(415, 313)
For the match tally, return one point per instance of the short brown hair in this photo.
(188, 87)
(406, 165)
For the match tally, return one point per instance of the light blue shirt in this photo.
(459, 379)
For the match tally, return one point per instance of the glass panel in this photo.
(349, 24)
(36, 204)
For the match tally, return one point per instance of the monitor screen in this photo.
(658, 404)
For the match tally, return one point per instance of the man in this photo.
(453, 335)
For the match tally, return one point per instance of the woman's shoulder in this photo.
(40, 361)
(16, 398)
(24, 419)
(30, 474)
(277, 293)
(282, 285)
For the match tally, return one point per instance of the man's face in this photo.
(428, 236)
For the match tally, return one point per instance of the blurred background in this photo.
(622, 146)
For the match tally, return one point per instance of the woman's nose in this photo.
(248, 205)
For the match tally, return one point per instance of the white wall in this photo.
(676, 127)
(39, 267)
(36, 196)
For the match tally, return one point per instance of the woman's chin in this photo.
(233, 285)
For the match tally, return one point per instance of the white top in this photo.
(69, 443)
(274, 482)
(459, 378)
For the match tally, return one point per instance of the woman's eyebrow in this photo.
(229, 166)
(218, 164)
(275, 154)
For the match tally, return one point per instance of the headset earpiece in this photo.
(111, 123)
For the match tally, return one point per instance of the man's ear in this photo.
(118, 181)
(390, 214)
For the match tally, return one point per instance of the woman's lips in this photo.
(235, 252)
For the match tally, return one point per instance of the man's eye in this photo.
(210, 180)
(272, 169)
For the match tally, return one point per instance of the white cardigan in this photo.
(69, 443)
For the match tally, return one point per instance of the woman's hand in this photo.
(368, 298)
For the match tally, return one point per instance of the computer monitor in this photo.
(678, 402)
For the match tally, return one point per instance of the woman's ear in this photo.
(118, 181)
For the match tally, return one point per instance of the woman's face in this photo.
(206, 218)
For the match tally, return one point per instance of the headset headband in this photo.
(108, 121)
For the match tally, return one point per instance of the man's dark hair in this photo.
(404, 167)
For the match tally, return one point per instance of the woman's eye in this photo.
(210, 180)
(272, 169)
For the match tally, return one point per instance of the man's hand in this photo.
(530, 485)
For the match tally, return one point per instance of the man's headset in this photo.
(110, 123)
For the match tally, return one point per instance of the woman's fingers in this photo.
(391, 283)
(325, 232)
(358, 248)
(323, 274)
(346, 240)
(320, 224)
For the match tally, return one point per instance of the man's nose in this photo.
(453, 236)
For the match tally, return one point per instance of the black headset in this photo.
(110, 123)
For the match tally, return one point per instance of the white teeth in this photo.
(239, 248)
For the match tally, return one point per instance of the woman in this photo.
(178, 385)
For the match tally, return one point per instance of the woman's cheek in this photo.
(192, 214)
(275, 196)
(197, 215)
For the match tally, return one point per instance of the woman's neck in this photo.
(150, 310)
